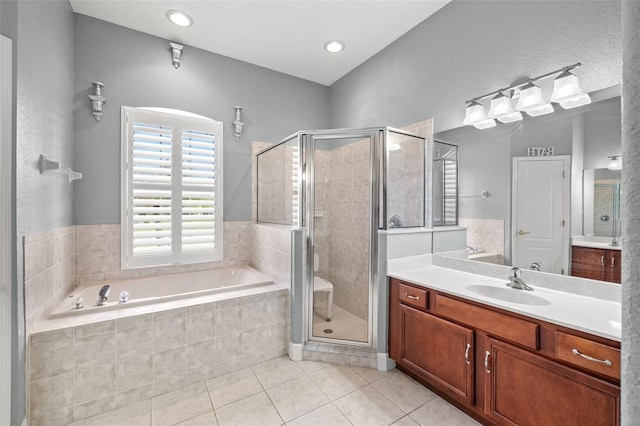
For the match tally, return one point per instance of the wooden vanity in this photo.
(596, 263)
(501, 367)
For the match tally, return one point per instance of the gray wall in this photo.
(137, 71)
(44, 125)
(469, 48)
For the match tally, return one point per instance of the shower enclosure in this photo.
(342, 187)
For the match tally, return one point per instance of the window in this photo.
(171, 188)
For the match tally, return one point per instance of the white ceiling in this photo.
(286, 36)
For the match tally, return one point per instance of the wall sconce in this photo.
(615, 162)
(237, 124)
(97, 101)
(566, 92)
(176, 54)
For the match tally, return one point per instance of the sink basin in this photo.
(508, 294)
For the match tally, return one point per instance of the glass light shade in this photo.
(566, 87)
(485, 124)
(576, 101)
(615, 163)
(541, 110)
(516, 116)
(530, 98)
(500, 107)
(474, 114)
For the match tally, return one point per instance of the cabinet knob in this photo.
(613, 261)
(602, 260)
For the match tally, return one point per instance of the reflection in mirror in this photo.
(445, 184)
(602, 191)
(589, 134)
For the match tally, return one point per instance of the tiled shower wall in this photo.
(271, 251)
(58, 260)
(275, 191)
(82, 371)
(342, 215)
(485, 234)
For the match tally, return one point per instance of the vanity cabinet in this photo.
(596, 264)
(500, 367)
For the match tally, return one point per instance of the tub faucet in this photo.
(103, 295)
(516, 281)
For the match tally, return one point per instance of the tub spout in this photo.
(103, 295)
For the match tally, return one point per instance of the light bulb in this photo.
(179, 18)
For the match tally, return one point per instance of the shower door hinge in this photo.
(563, 223)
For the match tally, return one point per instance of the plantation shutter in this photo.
(171, 189)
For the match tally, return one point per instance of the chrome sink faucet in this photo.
(516, 281)
(103, 295)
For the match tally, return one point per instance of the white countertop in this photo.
(585, 313)
(595, 242)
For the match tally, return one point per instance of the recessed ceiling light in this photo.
(179, 18)
(334, 46)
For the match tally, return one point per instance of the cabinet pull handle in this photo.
(587, 357)
(613, 261)
(412, 297)
(602, 260)
(486, 361)
(466, 353)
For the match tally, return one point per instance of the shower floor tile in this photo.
(344, 325)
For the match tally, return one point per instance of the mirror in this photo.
(602, 190)
(445, 184)
(589, 135)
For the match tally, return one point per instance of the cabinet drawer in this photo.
(587, 354)
(495, 323)
(412, 296)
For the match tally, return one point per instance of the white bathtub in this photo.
(162, 288)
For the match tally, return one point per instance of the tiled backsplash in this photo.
(49, 272)
(271, 251)
(56, 261)
(83, 371)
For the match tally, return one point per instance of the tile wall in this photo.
(485, 234)
(271, 251)
(82, 371)
(49, 272)
(277, 198)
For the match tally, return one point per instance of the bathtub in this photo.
(161, 288)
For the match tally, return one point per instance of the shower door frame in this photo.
(376, 137)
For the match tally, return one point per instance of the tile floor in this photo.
(281, 391)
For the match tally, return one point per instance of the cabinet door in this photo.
(614, 266)
(588, 263)
(522, 388)
(439, 351)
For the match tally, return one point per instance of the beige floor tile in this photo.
(180, 405)
(337, 380)
(233, 387)
(405, 421)
(132, 415)
(297, 397)
(370, 374)
(309, 366)
(327, 415)
(438, 412)
(208, 419)
(368, 407)
(403, 391)
(277, 371)
(254, 410)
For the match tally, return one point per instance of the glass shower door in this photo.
(341, 226)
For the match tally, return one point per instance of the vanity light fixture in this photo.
(615, 162)
(502, 110)
(334, 46)
(566, 92)
(179, 18)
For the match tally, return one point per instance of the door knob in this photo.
(522, 232)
